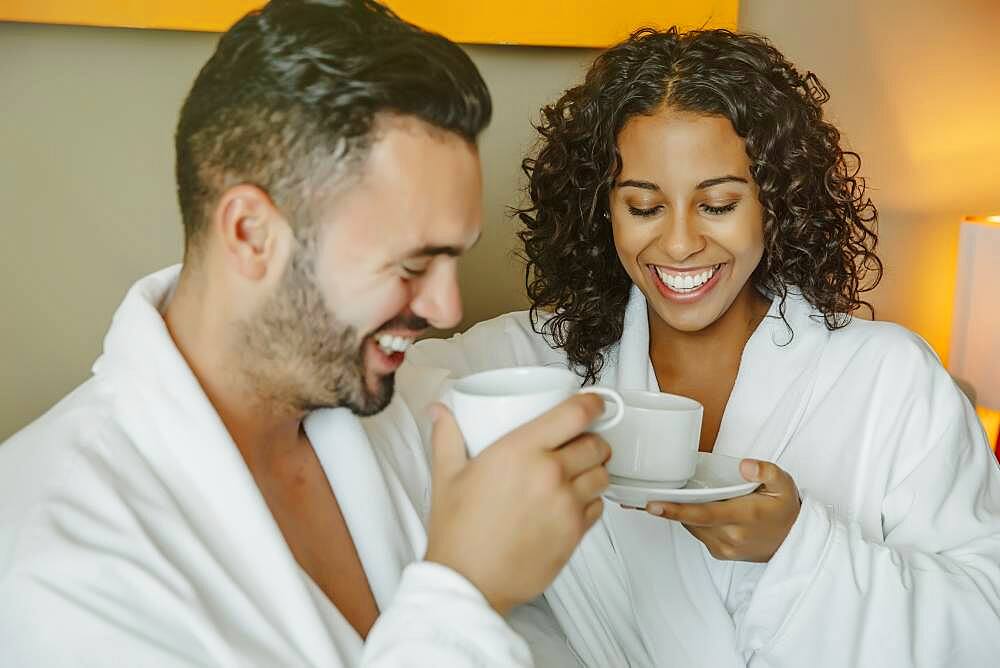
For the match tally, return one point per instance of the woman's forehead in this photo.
(681, 144)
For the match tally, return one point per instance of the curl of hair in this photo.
(819, 225)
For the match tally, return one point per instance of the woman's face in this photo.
(688, 226)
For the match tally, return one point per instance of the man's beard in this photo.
(298, 355)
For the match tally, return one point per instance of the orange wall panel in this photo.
(561, 22)
(591, 23)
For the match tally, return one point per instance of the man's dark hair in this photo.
(291, 94)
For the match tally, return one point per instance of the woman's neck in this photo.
(676, 353)
(704, 365)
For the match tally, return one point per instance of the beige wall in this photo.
(85, 187)
(86, 182)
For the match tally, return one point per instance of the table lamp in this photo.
(975, 331)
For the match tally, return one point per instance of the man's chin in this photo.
(377, 395)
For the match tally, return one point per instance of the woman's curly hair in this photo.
(819, 226)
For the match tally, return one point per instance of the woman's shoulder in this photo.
(887, 343)
(511, 339)
(890, 378)
(896, 365)
(859, 339)
(884, 357)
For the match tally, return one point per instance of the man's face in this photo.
(376, 267)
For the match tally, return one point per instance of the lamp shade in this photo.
(975, 331)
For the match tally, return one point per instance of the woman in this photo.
(695, 227)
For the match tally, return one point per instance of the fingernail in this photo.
(656, 510)
(434, 411)
(749, 468)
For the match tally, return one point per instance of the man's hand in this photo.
(509, 519)
(747, 528)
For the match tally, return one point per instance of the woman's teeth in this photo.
(686, 282)
(394, 344)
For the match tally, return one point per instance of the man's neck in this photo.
(203, 327)
(270, 437)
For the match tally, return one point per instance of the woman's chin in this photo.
(688, 318)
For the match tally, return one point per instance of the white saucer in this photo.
(716, 477)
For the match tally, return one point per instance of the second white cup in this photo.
(658, 439)
(491, 404)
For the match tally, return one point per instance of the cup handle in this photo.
(607, 421)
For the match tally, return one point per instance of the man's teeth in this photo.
(686, 282)
(394, 344)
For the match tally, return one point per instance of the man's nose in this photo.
(438, 298)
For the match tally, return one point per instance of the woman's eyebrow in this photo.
(644, 185)
(708, 183)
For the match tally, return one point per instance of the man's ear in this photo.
(251, 230)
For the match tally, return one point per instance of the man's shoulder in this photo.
(40, 453)
(69, 463)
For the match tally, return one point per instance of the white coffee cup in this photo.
(658, 439)
(491, 404)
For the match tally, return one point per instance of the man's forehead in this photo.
(416, 193)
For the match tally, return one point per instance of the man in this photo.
(210, 496)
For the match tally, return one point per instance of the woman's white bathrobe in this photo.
(132, 534)
(893, 561)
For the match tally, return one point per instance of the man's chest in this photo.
(310, 519)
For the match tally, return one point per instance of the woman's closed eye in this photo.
(719, 210)
(644, 212)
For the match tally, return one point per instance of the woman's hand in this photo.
(747, 528)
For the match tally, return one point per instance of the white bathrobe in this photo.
(132, 534)
(894, 559)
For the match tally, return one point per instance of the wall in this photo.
(85, 190)
(86, 184)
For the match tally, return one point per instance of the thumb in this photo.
(448, 447)
(773, 479)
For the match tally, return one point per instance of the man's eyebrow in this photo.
(430, 250)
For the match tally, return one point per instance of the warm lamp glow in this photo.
(975, 340)
(982, 220)
(991, 423)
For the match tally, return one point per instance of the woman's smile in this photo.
(687, 285)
